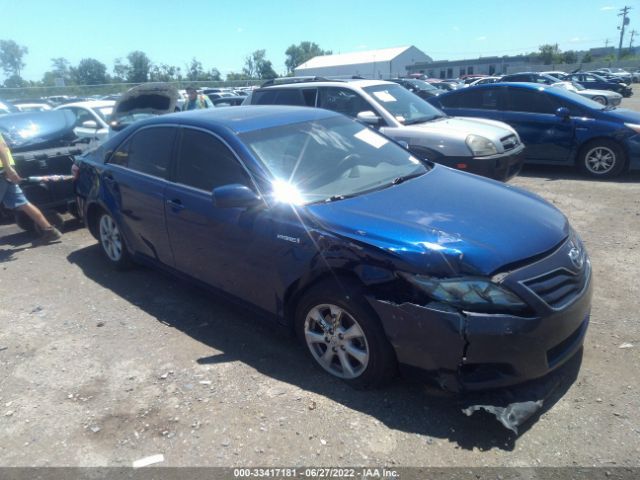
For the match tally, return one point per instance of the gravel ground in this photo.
(103, 368)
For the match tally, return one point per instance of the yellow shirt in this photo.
(7, 152)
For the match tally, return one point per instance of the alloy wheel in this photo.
(110, 238)
(337, 341)
(600, 160)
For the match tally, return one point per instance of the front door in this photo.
(215, 245)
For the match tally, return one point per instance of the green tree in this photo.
(570, 56)
(587, 58)
(15, 81)
(257, 66)
(120, 71)
(298, 54)
(11, 55)
(234, 76)
(89, 72)
(549, 54)
(195, 72)
(139, 66)
(165, 73)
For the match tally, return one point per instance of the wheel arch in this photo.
(298, 288)
(601, 138)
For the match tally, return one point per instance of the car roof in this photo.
(89, 104)
(328, 82)
(243, 118)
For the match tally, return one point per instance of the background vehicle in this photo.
(484, 80)
(143, 101)
(618, 72)
(373, 257)
(91, 118)
(43, 144)
(594, 81)
(486, 148)
(32, 106)
(419, 87)
(558, 127)
(228, 101)
(531, 77)
(603, 97)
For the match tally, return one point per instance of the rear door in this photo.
(214, 245)
(135, 180)
(548, 137)
(485, 102)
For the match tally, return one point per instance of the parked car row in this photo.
(558, 127)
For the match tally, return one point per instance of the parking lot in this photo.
(104, 368)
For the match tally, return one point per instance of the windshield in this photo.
(329, 159)
(405, 106)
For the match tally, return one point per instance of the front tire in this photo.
(601, 100)
(111, 242)
(602, 159)
(344, 336)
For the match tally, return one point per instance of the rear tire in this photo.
(343, 335)
(601, 100)
(602, 159)
(111, 242)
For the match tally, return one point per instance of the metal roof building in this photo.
(374, 64)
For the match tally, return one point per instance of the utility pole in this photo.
(633, 34)
(625, 21)
(606, 43)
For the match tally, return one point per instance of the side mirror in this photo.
(369, 118)
(90, 124)
(234, 196)
(563, 112)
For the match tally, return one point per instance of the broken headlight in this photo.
(468, 293)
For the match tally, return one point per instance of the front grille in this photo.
(509, 142)
(559, 287)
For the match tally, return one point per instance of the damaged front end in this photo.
(473, 334)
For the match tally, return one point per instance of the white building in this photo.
(373, 64)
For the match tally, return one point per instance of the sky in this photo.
(222, 33)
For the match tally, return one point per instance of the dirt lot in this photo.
(103, 368)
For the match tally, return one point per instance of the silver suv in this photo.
(484, 147)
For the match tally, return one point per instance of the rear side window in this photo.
(204, 162)
(279, 96)
(343, 100)
(147, 151)
(531, 101)
(484, 99)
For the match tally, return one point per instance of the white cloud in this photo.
(608, 7)
(575, 39)
(481, 39)
(456, 28)
(361, 47)
(239, 29)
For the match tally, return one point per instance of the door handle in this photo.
(176, 204)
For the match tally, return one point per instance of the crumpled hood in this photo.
(449, 222)
(145, 100)
(38, 130)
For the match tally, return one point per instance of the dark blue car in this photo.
(375, 258)
(558, 127)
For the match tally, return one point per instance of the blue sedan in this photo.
(376, 259)
(558, 127)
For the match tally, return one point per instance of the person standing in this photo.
(13, 198)
(196, 100)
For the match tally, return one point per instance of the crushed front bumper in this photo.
(465, 351)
